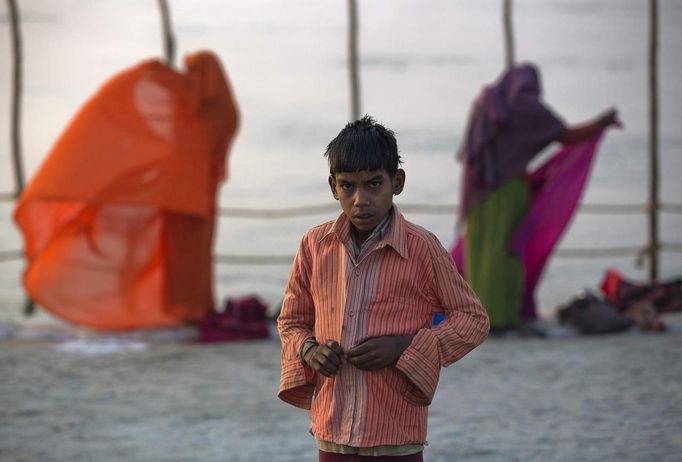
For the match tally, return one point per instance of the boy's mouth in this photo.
(363, 221)
(363, 217)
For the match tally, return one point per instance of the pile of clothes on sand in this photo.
(622, 304)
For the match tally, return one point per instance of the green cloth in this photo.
(495, 274)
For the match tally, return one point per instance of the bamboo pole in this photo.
(353, 59)
(168, 37)
(508, 33)
(16, 98)
(17, 77)
(653, 140)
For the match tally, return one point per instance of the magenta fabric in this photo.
(508, 126)
(556, 188)
(242, 319)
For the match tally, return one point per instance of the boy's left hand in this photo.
(378, 352)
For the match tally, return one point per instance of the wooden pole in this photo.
(16, 98)
(653, 140)
(168, 38)
(508, 33)
(17, 77)
(353, 59)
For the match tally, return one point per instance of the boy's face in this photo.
(366, 196)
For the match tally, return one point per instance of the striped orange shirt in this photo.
(394, 289)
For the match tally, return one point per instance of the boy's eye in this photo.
(346, 186)
(375, 184)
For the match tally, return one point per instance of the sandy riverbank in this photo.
(568, 398)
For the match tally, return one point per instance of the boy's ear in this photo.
(332, 185)
(398, 181)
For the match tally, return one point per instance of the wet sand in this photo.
(566, 398)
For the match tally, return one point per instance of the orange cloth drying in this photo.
(118, 221)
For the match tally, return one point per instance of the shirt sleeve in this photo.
(295, 325)
(465, 327)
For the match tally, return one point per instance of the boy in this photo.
(356, 321)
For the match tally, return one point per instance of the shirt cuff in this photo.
(421, 365)
(297, 384)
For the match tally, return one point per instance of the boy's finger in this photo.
(362, 358)
(331, 357)
(325, 368)
(324, 371)
(326, 354)
(334, 346)
(360, 349)
(358, 361)
(367, 362)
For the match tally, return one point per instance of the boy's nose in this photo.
(361, 198)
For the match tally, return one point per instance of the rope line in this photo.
(254, 260)
(426, 209)
(431, 209)
(259, 260)
(599, 252)
(243, 212)
(7, 197)
(10, 255)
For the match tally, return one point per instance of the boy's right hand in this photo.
(325, 358)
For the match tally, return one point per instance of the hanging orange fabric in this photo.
(118, 221)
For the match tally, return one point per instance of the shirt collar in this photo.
(395, 235)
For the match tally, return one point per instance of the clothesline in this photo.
(430, 209)
(427, 209)
(575, 253)
(276, 260)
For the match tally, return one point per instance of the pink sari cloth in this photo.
(556, 188)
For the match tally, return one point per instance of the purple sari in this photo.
(556, 188)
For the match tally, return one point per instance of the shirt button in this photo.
(407, 357)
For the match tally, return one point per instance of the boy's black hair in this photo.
(363, 145)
